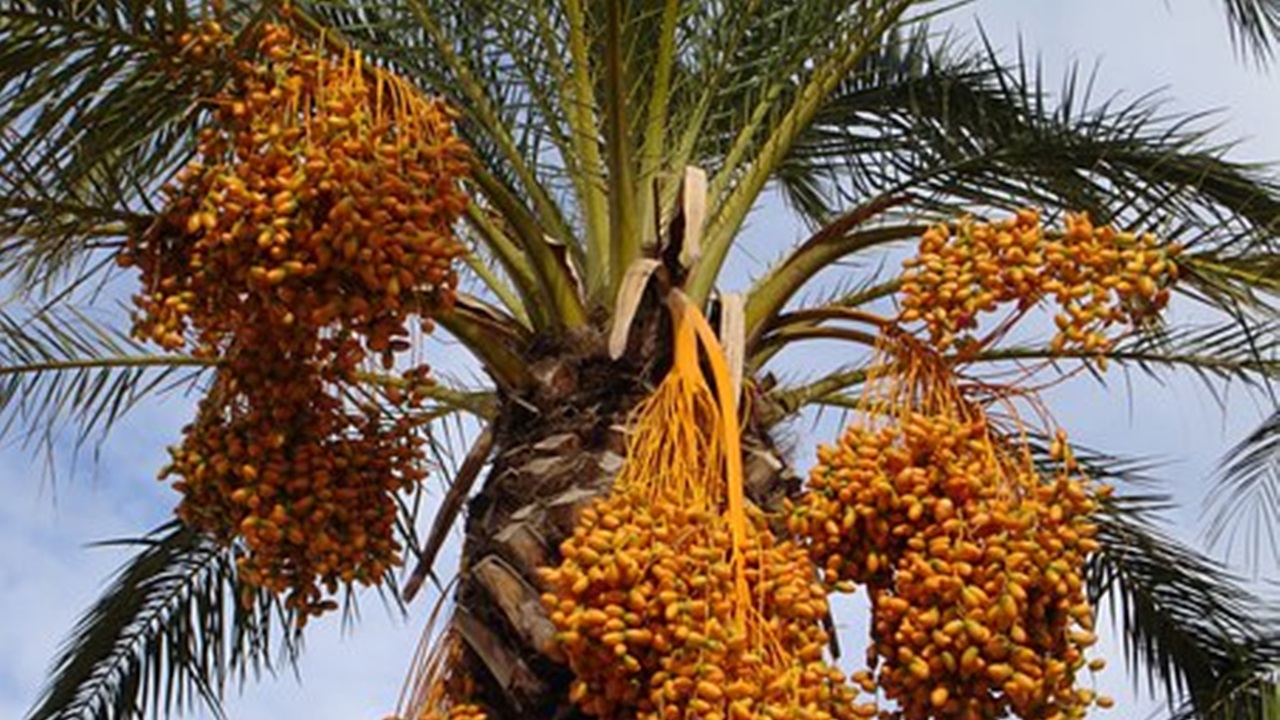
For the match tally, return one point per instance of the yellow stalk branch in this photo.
(732, 436)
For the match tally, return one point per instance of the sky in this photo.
(49, 575)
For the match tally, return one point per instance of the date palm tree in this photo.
(605, 134)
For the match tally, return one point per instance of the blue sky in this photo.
(48, 576)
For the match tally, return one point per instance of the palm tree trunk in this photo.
(553, 457)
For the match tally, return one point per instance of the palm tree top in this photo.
(584, 119)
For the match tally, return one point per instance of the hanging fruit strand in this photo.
(972, 558)
(973, 554)
(288, 249)
(1098, 277)
(439, 686)
(674, 600)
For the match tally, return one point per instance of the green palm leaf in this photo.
(94, 115)
(1247, 353)
(1255, 25)
(63, 368)
(168, 633)
(960, 129)
(1183, 618)
(1246, 500)
(1212, 352)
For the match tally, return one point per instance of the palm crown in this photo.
(610, 142)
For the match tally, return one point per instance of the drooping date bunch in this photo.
(973, 556)
(303, 480)
(651, 623)
(1097, 277)
(314, 225)
(673, 598)
(323, 196)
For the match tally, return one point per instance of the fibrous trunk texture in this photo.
(555, 453)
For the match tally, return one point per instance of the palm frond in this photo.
(1252, 697)
(62, 368)
(1237, 278)
(167, 634)
(1224, 350)
(1184, 619)
(1246, 498)
(76, 138)
(1255, 26)
(965, 129)
(48, 229)
(1243, 352)
(475, 54)
(854, 32)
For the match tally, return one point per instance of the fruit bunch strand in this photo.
(315, 221)
(672, 599)
(438, 688)
(973, 558)
(1097, 277)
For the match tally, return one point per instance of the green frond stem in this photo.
(1208, 266)
(580, 115)
(492, 341)
(810, 319)
(580, 149)
(871, 292)
(788, 401)
(658, 115)
(109, 221)
(505, 294)
(856, 298)
(811, 316)
(1256, 370)
(480, 404)
(123, 361)
(516, 299)
(556, 284)
(95, 236)
(730, 215)
(625, 236)
(788, 335)
(772, 292)
(479, 107)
